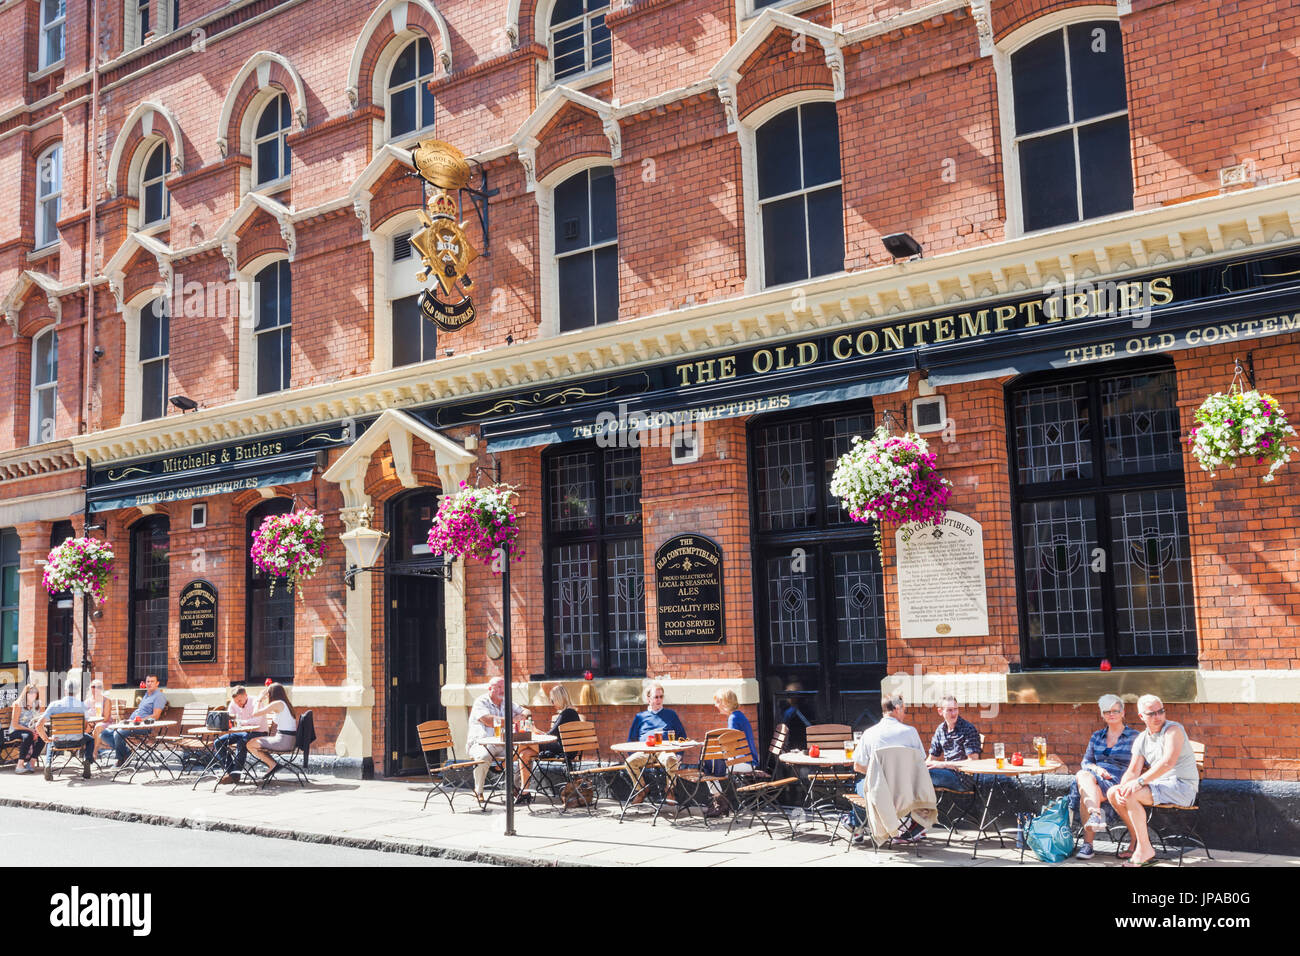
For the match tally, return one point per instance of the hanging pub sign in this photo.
(198, 633)
(445, 250)
(688, 582)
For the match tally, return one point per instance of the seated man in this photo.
(1163, 770)
(69, 703)
(488, 709)
(954, 740)
(151, 706)
(889, 732)
(240, 708)
(656, 718)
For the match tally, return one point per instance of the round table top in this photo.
(640, 746)
(828, 758)
(989, 765)
(501, 741)
(132, 725)
(204, 730)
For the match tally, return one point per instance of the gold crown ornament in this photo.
(441, 205)
(441, 164)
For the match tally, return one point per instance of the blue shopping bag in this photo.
(1049, 833)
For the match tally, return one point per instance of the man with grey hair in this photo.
(1107, 756)
(488, 709)
(1163, 770)
(656, 718)
(890, 731)
(69, 703)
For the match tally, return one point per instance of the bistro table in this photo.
(215, 768)
(641, 782)
(810, 770)
(143, 744)
(988, 767)
(498, 745)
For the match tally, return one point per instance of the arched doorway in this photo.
(414, 645)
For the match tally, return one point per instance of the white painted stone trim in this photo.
(1212, 687)
(612, 691)
(302, 695)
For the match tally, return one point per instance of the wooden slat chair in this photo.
(583, 785)
(1172, 824)
(189, 749)
(831, 784)
(8, 746)
(441, 764)
(764, 795)
(722, 749)
(65, 725)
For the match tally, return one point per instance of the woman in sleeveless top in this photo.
(275, 706)
(99, 708)
(26, 711)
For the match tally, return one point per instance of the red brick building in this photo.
(688, 207)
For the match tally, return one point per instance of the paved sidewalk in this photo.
(386, 815)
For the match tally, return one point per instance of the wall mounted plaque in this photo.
(198, 637)
(688, 582)
(941, 589)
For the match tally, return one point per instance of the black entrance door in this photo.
(819, 606)
(415, 647)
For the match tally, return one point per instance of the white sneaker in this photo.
(1096, 821)
(21, 768)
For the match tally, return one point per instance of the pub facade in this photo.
(686, 309)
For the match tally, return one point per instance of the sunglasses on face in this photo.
(1154, 713)
(1113, 713)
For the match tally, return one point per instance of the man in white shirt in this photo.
(483, 716)
(69, 703)
(241, 710)
(889, 732)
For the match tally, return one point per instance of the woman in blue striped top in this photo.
(1108, 755)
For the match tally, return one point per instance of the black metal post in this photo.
(85, 644)
(509, 702)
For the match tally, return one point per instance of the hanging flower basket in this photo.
(1248, 425)
(475, 522)
(80, 565)
(290, 546)
(891, 478)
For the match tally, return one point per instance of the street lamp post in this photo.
(509, 702)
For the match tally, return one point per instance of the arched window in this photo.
(53, 16)
(1101, 519)
(150, 598)
(410, 104)
(799, 194)
(272, 331)
(586, 249)
(45, 385)
(578, 38)
(270, 151)
(154, 197)
(49, 195)
(415, 337)
(1071, 125)
(155, 345)
(269, 623)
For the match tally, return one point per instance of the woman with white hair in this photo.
(1108, 755)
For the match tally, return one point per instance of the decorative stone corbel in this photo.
(353, 96)
(11, 316)
(362, 209)
(115, 287)
(609, 123)
(228, 250)
(528, 159)
(444, 57)
(835, 63)
(56, 307)
(301, 113)
(727, 94)
(221, 146)
(289, 236)
(512, 36)
(982, 13)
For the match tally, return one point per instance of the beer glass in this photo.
(1040, 744)
(672, 736)
(1000, 752)
(848, 750)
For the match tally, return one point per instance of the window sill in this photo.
(1170, 684)
(273, 188)
(580, 81)
(409, 140)
(153, 228)
(45, 71)
(44, 252)
(789, 6)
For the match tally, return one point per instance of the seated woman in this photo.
(274, 706)
(26, 711)
(1108, 755)
(729, 705)
(564, 714)
(99, 709)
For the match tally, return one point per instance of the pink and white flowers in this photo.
(80, 565)
(290, 546)
(1240, 425)
(476, 522)
(891, 478)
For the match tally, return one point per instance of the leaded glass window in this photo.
(150, 598)
(269, 613)
(1101, 518)
(595, 569)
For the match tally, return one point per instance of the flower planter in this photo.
(1240, 425)
(477, 523)
(79, 565)
(290, 547)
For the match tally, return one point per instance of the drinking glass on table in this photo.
(1000, 752)
(672, 736)
(848, 750)
(1040, 744)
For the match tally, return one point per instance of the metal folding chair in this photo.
(435, 739)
